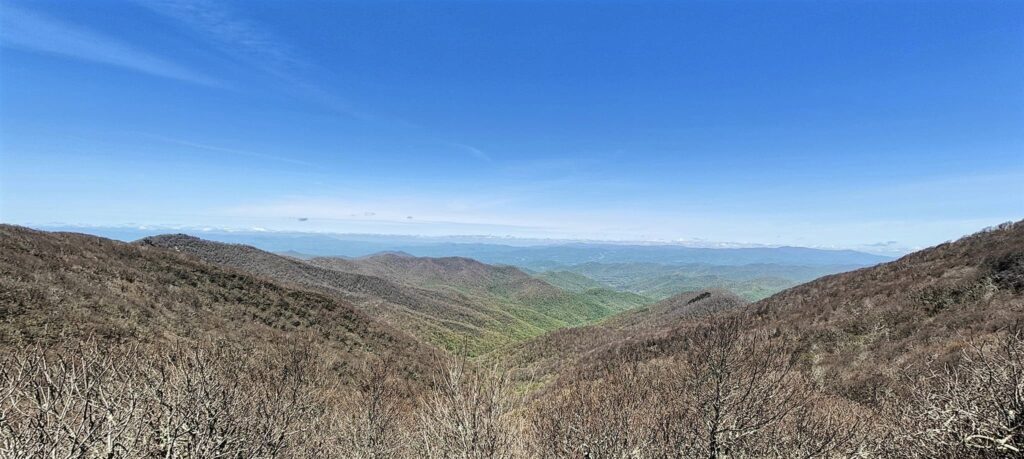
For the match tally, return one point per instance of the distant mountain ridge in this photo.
(534, 255)
(452, 302)
(665, 254)
(660, 281)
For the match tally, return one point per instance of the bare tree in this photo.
(974, 408)
(468, 415)
(179, 401)
(605, 417)
(371, 424)
(70, 405)
(723, 391)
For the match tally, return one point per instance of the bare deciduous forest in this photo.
(511, 229)
(130, 350)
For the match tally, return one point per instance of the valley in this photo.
(558, 229)
(395, 355)
(455, 303)
(659, 281)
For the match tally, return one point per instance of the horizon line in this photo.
(687, 243)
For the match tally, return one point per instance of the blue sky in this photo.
(871, 125)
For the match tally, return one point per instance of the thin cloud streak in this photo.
(476, 152)
(231, 151)
(240, 39)
(250, 43)
(30, 31)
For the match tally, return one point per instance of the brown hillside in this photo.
(59, 287)
(858, 326)
(856, 329)
(920, 357)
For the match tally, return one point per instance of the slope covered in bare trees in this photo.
(138, 350)
(61, 287)
(856, 329)
(920, 357)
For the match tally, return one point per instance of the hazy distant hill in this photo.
(659, 281)
(533, 254)
(575, 253)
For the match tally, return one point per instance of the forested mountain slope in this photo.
(256, 353)
(456, 303)
(570, 281)
(919, 357)
(561, 350)
(499, 285)
(853, 325)
(62, 287)
(856, 326)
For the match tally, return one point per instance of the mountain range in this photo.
(451, 302)
(533, 254)
(393, 354)
(653, 270)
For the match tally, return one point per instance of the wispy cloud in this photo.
(476, 152)
(233, 35)
(28, 30)
(390, 207)
(230, 151)
(882, 244)
(253, 44)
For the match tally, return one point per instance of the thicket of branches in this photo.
(730, 393)
(212, 399)
(175, 401)
(973, 408)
